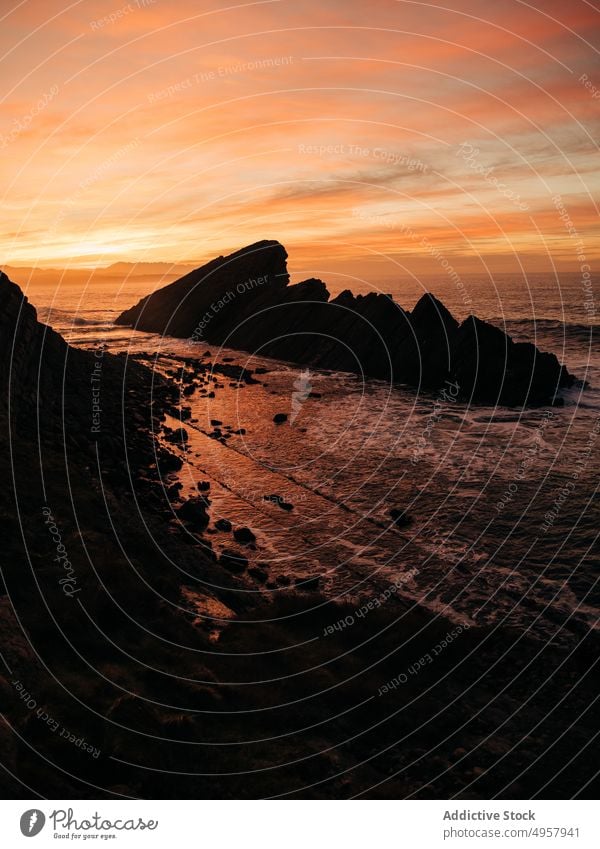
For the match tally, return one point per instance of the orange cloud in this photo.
(176, 130)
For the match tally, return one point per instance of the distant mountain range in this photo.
(117, 270)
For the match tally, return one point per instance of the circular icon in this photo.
(32, 822)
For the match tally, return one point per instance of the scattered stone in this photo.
(179, 436)
(173, 492)
(223, 525)
(244, 536)
(203, 486)
(280, 418)
(195, 512)
(167, 461)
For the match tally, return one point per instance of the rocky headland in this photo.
(244, 301)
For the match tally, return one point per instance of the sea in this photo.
(502, 504)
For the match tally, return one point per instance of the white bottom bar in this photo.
(301, 824)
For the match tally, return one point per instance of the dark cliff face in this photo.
(24, 344)
(243, 301)
(48, 389)
(93, 406)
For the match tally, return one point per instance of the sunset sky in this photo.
(368, 133)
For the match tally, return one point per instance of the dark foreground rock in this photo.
(371, 335)
(194, 511)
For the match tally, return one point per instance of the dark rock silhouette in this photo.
(205, 295)
(194, 511)
(244, 536)
(243, 301)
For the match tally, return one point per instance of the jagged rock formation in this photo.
(203, 296)
(243, 301)
(59, 395)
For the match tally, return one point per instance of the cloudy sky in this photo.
(369, 133)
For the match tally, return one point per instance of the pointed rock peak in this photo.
(255, 247)
(265, 253)
(345, 298)
(482, 330)
(429, 309)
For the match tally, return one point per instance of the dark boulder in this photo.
(244, 536)
(194, 512)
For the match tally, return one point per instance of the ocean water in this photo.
(504, 504)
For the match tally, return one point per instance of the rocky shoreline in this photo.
(244, 301)
(115, 688)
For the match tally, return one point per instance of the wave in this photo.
(545, 325)
(63, 318)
